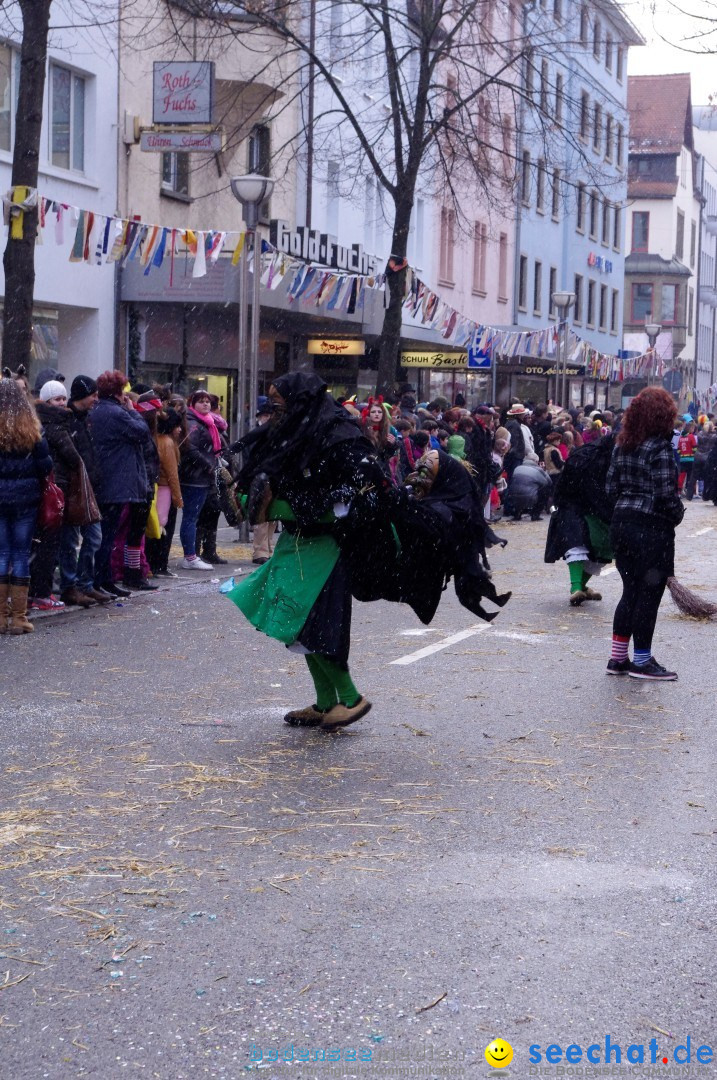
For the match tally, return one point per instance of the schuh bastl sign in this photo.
(183, 92)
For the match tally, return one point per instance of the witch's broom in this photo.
(688, 602)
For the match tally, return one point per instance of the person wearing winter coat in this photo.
(170, 430)
(529, 491)
(56, 420)
(579, 529)
(200, 452)
(119, 435)
(79, 543)
(24, 463)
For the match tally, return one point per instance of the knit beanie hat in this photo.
(82, 387)
(456, 447)
(52, 389)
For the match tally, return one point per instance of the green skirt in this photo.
(278, 597)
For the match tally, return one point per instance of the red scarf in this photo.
(208, 421)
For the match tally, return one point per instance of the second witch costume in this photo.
(347, 531)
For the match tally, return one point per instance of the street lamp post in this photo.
(653, 331)
(563, 301)
(251, 191)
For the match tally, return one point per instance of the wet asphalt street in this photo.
(511, 844)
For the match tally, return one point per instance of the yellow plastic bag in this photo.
(154, 529)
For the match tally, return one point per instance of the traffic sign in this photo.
(479, 358)
(672, 381)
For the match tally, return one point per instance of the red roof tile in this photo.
(660, 108)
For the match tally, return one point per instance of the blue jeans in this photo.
(17, 524)
(193, 499)
(79, 569)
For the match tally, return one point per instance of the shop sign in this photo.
(335, 347)
(439, 360)
(186, 142)
(551, 369)
(183, 92)
(597, 262)
(314, 246)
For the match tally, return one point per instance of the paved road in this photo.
(510, 845)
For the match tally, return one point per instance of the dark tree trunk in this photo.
(19, 257)
(389, 342)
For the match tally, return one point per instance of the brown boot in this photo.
(20, 623)
(74, 596)
(4, 610)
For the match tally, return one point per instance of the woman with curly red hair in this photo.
(643, 480)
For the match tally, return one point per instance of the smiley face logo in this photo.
(499, 1053)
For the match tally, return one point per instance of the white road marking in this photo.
(419, 633)
(701, 532)
(414, 657)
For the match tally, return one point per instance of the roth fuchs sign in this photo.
(183, 92)
(314, 246)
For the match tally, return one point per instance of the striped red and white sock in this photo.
(619, 647)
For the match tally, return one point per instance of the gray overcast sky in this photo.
(679, 22)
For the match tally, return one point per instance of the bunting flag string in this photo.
(101, 238)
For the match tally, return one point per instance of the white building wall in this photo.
(80, 295)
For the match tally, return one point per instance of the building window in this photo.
(480, 245)
(603, 307)
(448, 226)
(617, 229)
(335, 29)
(333, 197)
(680, 236)
(537, 287)
(67, 119)
(259, 160)
(591, 303)
(615, 311)
(540, 188)
(544, 87)
(606, 222)
(559, 97)
(693, 244)
(580, 209)
(668, 313)
(608, 137)
(508, 169)
(578, 290)
(529, 74)
(523, 283)
(584, 25)
(175, 173)
(503, 267)
(555, 195)
(597, 126)
(608, 52)
(552, 286)
(597, 40)
(640, 230)
(619, 63)
(683, 168)
(593, 215)
(619, 142)
(584, 115)
(690, 309)
(558, 10)
(525, 178)
(9, 86)
(641, 309)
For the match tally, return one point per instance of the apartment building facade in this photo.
(661, 269)
(572, 161)
(73, 316)
(705, 136)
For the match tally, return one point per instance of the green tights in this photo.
(332, 682)
(578, 576)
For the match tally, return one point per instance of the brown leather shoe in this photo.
(591, 594)
(343, 715)
(99, 596)
(74, 596)
(308, 717)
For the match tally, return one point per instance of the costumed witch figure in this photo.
(348, 531)
(579, 530)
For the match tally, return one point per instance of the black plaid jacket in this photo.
(644, 480)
